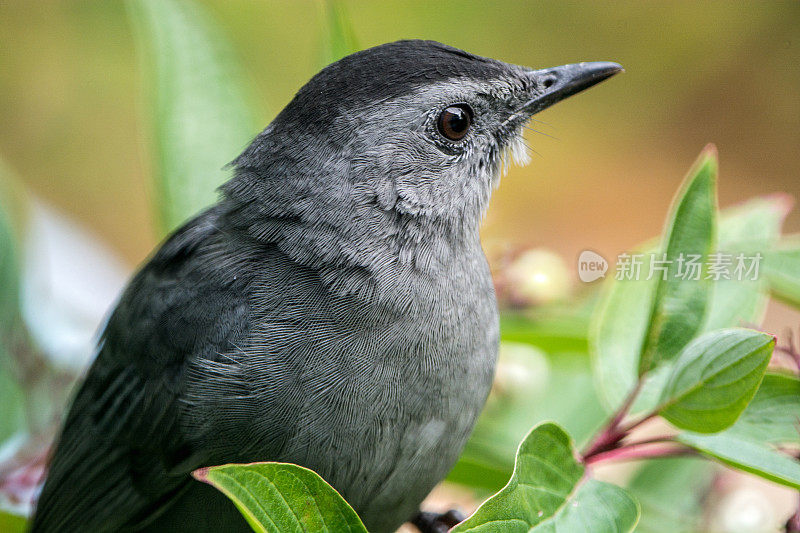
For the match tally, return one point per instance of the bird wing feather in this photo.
(123, 453)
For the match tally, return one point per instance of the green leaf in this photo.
(640, 323)
(782, 271)
(773, 416)
(755, 224)
(621, 321)
(671, 492)
(11, 523)
(747, 455)
(750, 228)
(340, 40)
(617, 334)
(547, 492)
(715, 378)
(201, 119)
(279, 497)
(679, 305)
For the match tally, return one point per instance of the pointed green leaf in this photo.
(782, 271)
(773, 415)
(747, 455)
(748, 229)
(641, 322)
(201, 119)
(679, 305)
(620, 322)
(547, 493)
(755, 224)
(340, 38)
(715, 378)
(278, 497)
(617, 333)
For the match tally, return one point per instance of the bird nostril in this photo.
(548, 82)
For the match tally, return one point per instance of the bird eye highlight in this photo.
(454, 122)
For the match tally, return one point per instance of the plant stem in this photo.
(611, 434)
(636, 423)
(643, 450)
(661, 439)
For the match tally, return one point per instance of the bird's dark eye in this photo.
(454, 122)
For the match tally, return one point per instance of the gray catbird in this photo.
(334, 309)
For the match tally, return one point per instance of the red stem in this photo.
(661, 439)
(643, 450)
(611, 434)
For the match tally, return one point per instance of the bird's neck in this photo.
(354, 247)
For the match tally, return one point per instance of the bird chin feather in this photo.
(515, 153)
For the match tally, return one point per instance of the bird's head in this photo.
(413, 129)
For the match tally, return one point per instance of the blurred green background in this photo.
(725, 72)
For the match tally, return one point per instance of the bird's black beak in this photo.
(557, 83)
